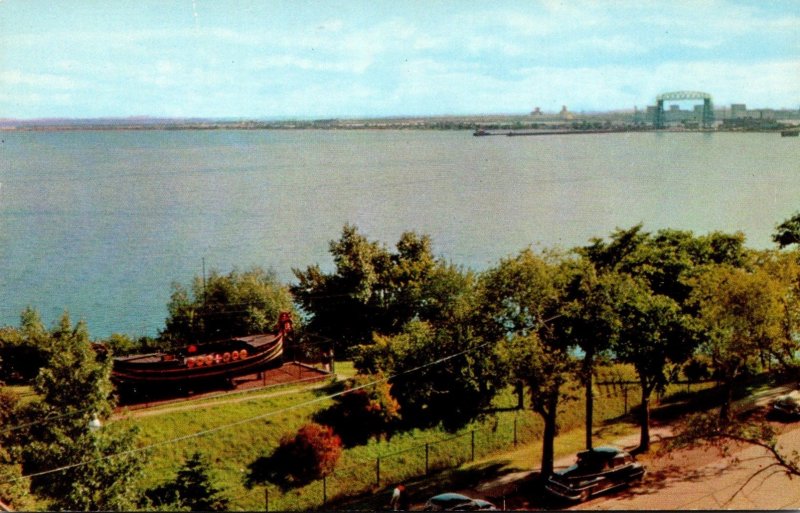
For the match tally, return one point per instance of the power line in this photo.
(45, 420)
(247, 420)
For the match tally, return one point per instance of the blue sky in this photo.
(271, 59)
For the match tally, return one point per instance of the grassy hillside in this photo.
(251, 425)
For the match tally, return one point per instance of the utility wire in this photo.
(46, 420)
(249, 419)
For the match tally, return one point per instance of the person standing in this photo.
(398, 498)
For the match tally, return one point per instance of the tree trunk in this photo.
(588, 364)
(644, 438)
(549, 436)
(727, 399)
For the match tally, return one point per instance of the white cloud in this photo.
(38, 80)
(607, 87)
(701, 44)
(485, 57)
(307, 64)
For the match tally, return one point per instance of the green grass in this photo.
(250, 427)
(402, 458)
(25, 393)
(231, 449)
(345, 368)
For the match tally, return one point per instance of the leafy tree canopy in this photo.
(666, 259)
(788, 232)
(24, 350)
(225, 305)
(452, 392)
(375, 290)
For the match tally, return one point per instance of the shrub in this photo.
(697, 369)
(310, 454)
(363, 411)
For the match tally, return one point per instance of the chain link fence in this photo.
(403, 465)
(613, 399)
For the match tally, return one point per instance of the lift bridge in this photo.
(708, 109)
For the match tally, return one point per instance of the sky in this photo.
(373, 58)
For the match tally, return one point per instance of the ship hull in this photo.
(207, 362)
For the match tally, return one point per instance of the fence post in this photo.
(473, 445)
(324, 490)
(515, 431)
(266, 498)
(625, 395)
(427, 468)
(378, 472)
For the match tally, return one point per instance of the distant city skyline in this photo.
(270, 59)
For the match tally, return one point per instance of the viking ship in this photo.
(203, 362)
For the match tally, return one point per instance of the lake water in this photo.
(100, 223)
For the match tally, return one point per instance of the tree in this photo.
(75, 388)
(742, 314)
(522, 303)
(222, 306)
(25, 350)
(362, 411)
(590, 322)
(784, 268)
(788, 232)
(193, 488)
(654, 279)
(375, 290)
(349, 304)
(451, 392)
(545, 369)
(654, 336)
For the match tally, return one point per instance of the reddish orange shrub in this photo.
(310, 454)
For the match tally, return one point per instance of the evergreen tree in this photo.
(80, 468)
(192, 489)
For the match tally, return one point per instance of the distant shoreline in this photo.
(490, 131)
(619, 121)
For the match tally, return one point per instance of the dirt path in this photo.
(303, 379)
(220, 400)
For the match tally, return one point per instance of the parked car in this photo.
(457, 502)
(595, 471)
(787, 406)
